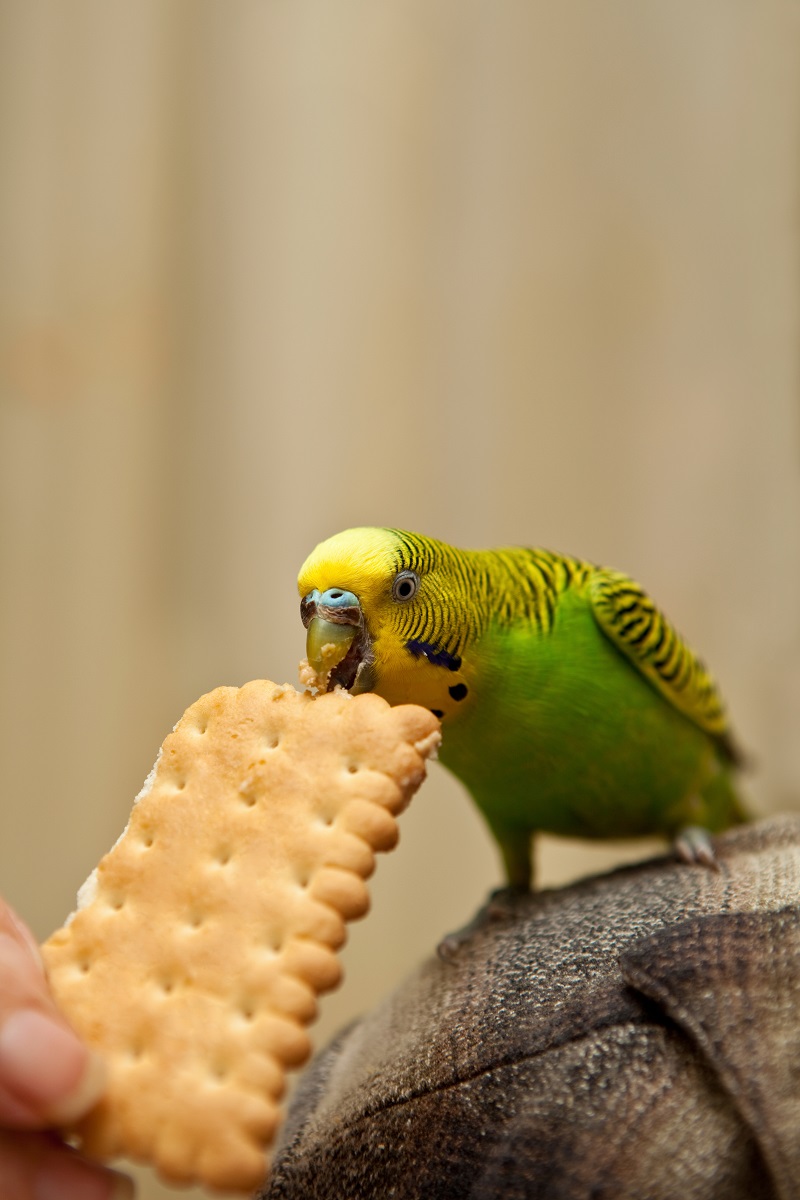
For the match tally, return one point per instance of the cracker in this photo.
(204, 937)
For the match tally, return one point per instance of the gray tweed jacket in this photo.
(635, 1035)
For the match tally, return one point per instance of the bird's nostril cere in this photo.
(338, 598)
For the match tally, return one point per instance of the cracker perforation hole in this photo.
(272, 741)
(223, 856)
(84, 966)
(248, 1010)
(167, 986)
(116, 903)
(147, 841)
(180, 784)
(353, 768)
(195, 920)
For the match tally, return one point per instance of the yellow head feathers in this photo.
(361, 560)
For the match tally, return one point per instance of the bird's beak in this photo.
(337, 644)
(327, 643)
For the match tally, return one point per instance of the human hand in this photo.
(47, 1078)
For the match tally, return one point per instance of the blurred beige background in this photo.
(501, 272)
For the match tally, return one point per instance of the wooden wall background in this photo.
(503, 272)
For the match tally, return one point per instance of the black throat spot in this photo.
(438, 658)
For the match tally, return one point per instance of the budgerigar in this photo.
(569, 704)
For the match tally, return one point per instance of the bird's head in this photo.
(382, 615)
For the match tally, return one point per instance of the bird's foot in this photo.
(504, 902)
(693, 846)
(503, 905)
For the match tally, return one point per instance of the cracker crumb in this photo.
(428, 746)
(309, 679)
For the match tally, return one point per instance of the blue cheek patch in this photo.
(438, 658)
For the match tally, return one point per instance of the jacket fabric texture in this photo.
(634, 1035)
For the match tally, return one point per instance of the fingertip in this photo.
(65, 1112)
(45, 1066)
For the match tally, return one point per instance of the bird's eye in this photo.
(405, 585)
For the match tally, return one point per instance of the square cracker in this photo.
(204, 936)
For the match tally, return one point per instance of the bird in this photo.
(569, 703)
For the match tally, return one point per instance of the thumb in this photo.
(47, 1076)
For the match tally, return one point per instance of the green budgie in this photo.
(568, 702)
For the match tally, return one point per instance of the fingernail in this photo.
(43, 1063)
(91, 1086)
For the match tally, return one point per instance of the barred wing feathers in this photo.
(630, 619)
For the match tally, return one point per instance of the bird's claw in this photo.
(450, 945)
(503, 903)
(694, 847)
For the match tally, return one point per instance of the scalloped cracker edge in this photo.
(205, 935)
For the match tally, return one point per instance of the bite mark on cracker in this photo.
(205, 936)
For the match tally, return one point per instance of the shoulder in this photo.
(622, 1002)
